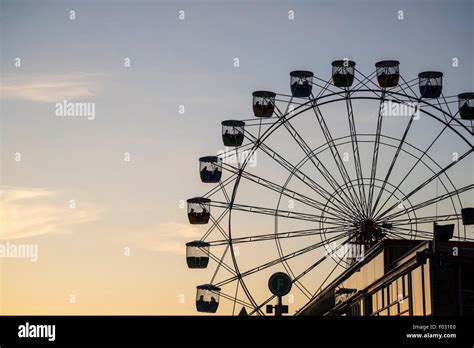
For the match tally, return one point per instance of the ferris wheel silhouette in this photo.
(355, 188)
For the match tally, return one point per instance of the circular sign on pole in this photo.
(279, 284)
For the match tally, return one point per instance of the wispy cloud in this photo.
(50, 88)
(164, 237)
(26, 212)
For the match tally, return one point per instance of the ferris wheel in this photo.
(346, 161)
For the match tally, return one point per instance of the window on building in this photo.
(392, 298)
(417, 291)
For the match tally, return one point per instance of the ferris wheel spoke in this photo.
(395, 97)
(400, 87)
(415, 232)
(363, 82)
(231, 152)
(236, 300)
(308, 270)
(403, 87)
(310, 155)
(330, 274)
(299, 284)
(425, 219)
(303, 289)
(423, 104)
(375, 153)
(448, 109)
(286, 101)
(355, 151)
(431, 201)
(428, 234)
(279, 235)
(218, 226)
(287, 192)
(419, 159)
(394, 160)
(214, 224)
(325, 87)
(260, 306)
(224, 191)
(278, 212)
(287, 108)
(319, 261)
(403, 91)
(454, 100)
(397, 235)
(281, 259)
(338, 160)
(218, 188)
(314, 186)
(219, 261)
(378, 91)
(410, 232)
(433, 177)
(409, 87)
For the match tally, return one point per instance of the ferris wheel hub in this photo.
(368, 233)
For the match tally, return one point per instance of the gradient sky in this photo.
(136, 204)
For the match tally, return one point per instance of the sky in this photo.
(102, 198)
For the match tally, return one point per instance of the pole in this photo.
(279, 307)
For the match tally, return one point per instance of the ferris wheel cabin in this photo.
(343, 73)
(199, 210)
(263, 103)
(207, 298)
(197, 254)
(388, 73)
(233, 132)
(466, 106)
(431, 84)
(301, 83)
(210, 168)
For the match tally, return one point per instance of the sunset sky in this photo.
(120, 250)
